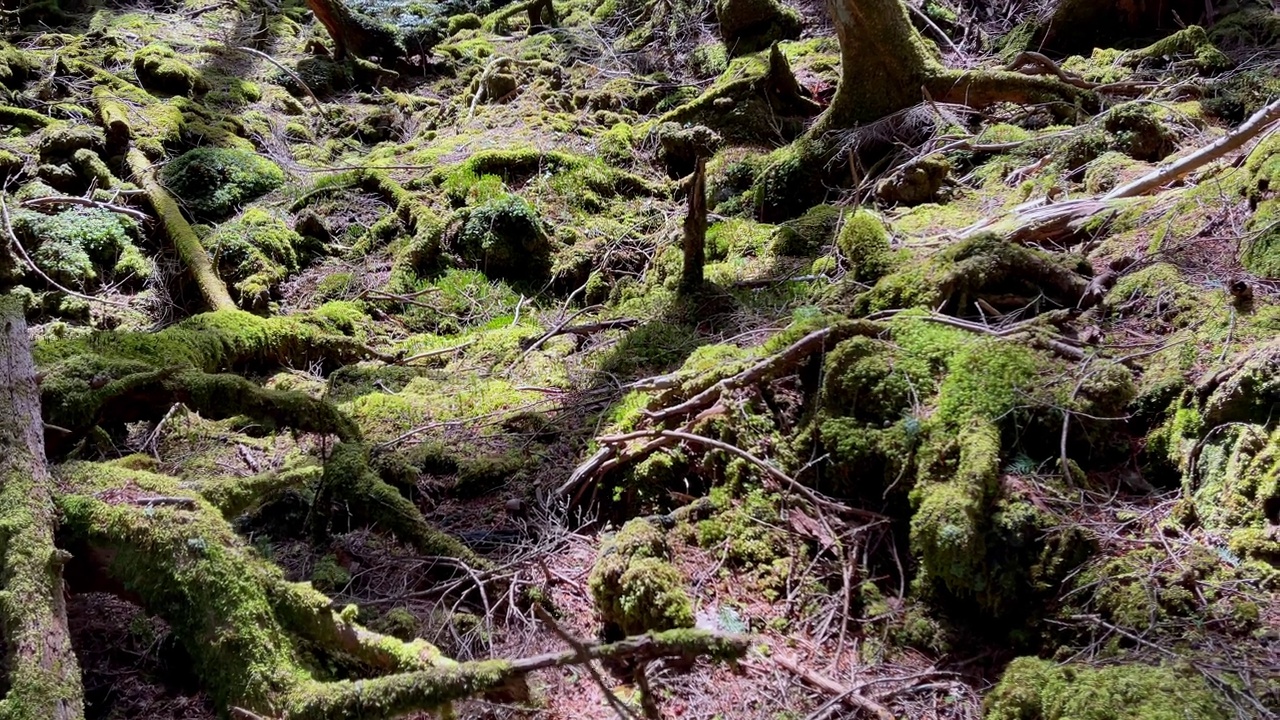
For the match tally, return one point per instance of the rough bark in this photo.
(886, 67)
(695, 230)
(43, 675)
(355, 33)
(193, 255)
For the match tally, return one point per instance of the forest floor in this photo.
(518, 278)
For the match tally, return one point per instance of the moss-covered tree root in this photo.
(254, 637)
(184, 239)
(43, 677)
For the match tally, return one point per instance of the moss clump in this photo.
(634, 585)
(747, 26)
(1262, 254)
(466, 21)
(1034, 689)
(80, 245)
(64, 138)
(212, 182)
(398, 623)
(864, 241)
(254, 254)
(1138, 132)
(680, 147)
(915, 183)
(806, 235)
(329, 575)
(506, 239)
(160, 68)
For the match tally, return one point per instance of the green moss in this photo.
(466, 21)
(79, 245)
(1138, 132)
(1262, 253)
(864, 242)
(747, 26)
(328, 575)
(398, 623)
(634, 586)
(915, 183)
(744, 533)
(1107, 172)
(162, 69)
(1190, 41)
(212, 182)
(505, 238)
(64, 138)
(806, 235)
(1034, 689)
(254, 253)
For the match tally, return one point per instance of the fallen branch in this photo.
(849, 696)
(550, 334)
(86, 202)
(179, 232)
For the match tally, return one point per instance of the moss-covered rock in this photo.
(1034, 689)
(1138, 132)
(806, 235)
(634, 585)
(747, 26)
(915, 183)
(160, 68)
(212, 182)
(864, 242)
(254, 253)
(505, 238)
(680, 147)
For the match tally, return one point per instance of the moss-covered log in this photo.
(43, 677)
(179, 231)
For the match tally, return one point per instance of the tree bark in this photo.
(695, 231)
(42, 673)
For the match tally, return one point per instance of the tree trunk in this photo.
(1078, 26)
(883, 62)
(43, 678)
(695, 231)
(354, 32)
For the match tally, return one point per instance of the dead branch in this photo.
(86, 202)
(1249, 129)
(849, 696)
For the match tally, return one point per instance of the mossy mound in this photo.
(212, 182)
(634, 585)
(254, 254)
(915, 183)
(505, 238)
(806, 235)
(1262, 253)
(1138, 132)
(80, 245)
(864, 242)
(747, 26)
(160, 68)
(680, 147)
(1034, 689)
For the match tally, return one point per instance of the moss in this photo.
(806, 235)
(158, 67)
(747, 26)
(1190, 41)
(680, 147)
(1262, 252)
(744, 533)
(505, 238)
(466, 21)
(79, 244)
(635, 587)
(915, 183)
(212, 182)
(398, 623)
(864, 242)
(1108, 171)
(1034, 689)
(254, 254)
(1138, 132)
(328, 575)
(64, 138)
(617, 144)
(709, 60)
(790, 182)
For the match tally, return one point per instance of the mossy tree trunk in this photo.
(42, 674)
(354, 32)
(885, 67)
